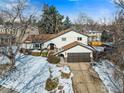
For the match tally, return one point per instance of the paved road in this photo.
(85, 79)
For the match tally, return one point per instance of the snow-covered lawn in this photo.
(31, 74)
(112, 81)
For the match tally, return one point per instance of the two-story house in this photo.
(94, 36)
(71, 44)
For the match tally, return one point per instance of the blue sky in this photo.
(94, 8)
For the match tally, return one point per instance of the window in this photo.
(37, 46)
(63, 39)
(79, 38)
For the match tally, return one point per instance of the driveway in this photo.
(85, 79)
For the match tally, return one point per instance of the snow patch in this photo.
(105, 69)
(31, 74)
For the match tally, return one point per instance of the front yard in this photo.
(31, 73)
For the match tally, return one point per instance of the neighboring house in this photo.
(1, 28)
(94, 36)
(72, 45)
(6, 40)
(31, 30)
(6, 37)
(8, 30)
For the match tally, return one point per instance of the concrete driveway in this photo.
(85, 79)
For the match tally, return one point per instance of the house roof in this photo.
(65, 31)
(47, 37)
(38, 38)
(73, 44)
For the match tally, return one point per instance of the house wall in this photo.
(6, 40)
(94, 36)
(70, 37)
(27, 46)
(77, 49)
(31, 46)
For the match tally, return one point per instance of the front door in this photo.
(51, 46)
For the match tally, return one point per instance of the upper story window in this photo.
(79, 38)
(63, 39)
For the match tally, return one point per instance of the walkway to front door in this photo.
(86, 80)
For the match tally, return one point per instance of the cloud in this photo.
(5, 3)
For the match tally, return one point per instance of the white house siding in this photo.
(70, 37)
(27, 46)
(94, 36)
(77, 49)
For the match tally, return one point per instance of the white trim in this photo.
(77, 49)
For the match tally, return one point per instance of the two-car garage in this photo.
(78, 57)
(77, 52)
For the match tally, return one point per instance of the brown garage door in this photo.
(78, 57)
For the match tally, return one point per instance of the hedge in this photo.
(44, 54)
(36, 54)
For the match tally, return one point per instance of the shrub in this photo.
(36, 54)
(121, 66)
(65, 75)
(44, 54)
(21, 50)
(51, 84)
(50, 53)
(25, 51)
(53, 59)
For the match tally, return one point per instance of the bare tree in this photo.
(82, 22)
(118, 27)
(85, 23)
(16, 14)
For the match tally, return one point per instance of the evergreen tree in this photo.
(67, 23)
(51, 21)
(105, 36)
(1, 21)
